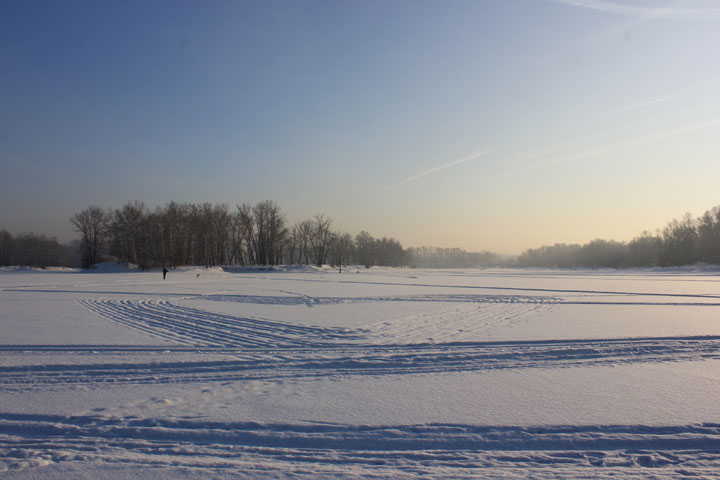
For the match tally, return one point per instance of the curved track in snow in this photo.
(245, 348)
(249, 450)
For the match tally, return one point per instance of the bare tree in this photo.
(342, 249)
(320, 238)
(126, 230)
(645, 250)
(364, 245)
(245, 234)
(92, 223)
(306, 232)
(294, 244)
(709, 236)
(269, 233)
(680, 240)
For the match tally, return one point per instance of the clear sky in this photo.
(481, 124)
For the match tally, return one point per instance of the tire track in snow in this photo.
(273, 351)
(343, 361)
(190, 326)
(334, 450)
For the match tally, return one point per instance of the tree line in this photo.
(210, 235)
(435, 257)
(685, 241)
(35, 250)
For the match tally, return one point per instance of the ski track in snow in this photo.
(344, 451)
(139, 367)
(191, 326)
(248, 348)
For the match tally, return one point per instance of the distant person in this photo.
(165, 270)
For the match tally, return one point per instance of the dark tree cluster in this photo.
(434, 257)
(34, 250)
(598, 253)
(210, 235)
(386, 252)
(682, 242)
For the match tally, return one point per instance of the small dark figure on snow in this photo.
(165, 270)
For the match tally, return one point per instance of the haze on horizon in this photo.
(486, 125)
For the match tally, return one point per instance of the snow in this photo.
(372, 373)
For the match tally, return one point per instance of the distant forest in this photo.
(180, 234)
(211, 235)
(34, 250)
(682, 242)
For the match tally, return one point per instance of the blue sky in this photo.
(496, 124)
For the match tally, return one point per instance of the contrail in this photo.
(638, 14)
(441, 167)
(582, 155)
(635, 10)
(638, 105)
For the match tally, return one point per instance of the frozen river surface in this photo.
(379, 373)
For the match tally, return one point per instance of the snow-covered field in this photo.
(365, 374)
